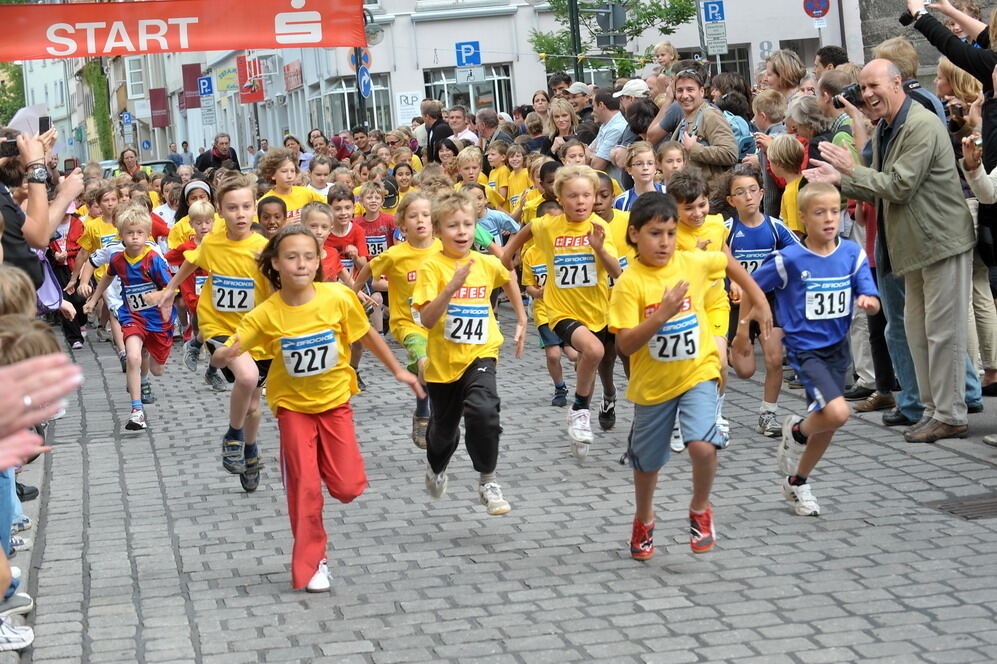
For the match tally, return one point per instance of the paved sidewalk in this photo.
(149, 552)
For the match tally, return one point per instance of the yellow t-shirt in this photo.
(400, 264)
(682, 353)
(789, 209)
(618, 231)
(97, 234)
(491, 196)
(499, 177)
(310, 347)
(156, 199)
(688, 239)
(535, 274)
(183, 231)
(519, 183)
(234, 286)
(577, 284)
(297, 199)
(468, 330)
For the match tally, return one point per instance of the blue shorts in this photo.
(650, 435)
(822, 372)
(547, 336)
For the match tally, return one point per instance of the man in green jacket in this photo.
(926, 236)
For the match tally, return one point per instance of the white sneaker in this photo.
(788, 451)
(491, 496)
(320, 582)
(20, 543)
(677, 443)
(768, 424)
(15, 572)
(580, 430)
(436, 485)
(804, 503)
(13, 637)
(136, 422)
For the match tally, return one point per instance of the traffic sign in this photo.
(715, 38)
(468, 53)
(126, 118)
(365, 59)
(816, 8)
(470, 75)
(713, 11)
(204, 86)
(146, 144)
(364, 83)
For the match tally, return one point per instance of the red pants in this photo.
(316, 449)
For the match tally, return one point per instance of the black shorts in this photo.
(263, 366)
(565, 327)
(753, 330)
(822, 372)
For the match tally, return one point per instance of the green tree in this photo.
(96, 80)
(642, 15)
(11, 91)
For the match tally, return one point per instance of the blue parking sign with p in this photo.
(713, 11)
(204, 86)
(468, 53)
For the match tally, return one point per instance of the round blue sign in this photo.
(364, 83)
(146, 145)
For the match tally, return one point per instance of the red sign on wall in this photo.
(292, 76)
(191, 93)
(159, 108)
(250, 79)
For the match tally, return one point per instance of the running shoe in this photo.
(804, 503)
(362, 386)
(191, 355)
(320, 582)
(13, 637)
(136, 422)
(642, 541)
(147, 395)
(702, 534)
(216, 381)
(491, 497)
(77, 345)
(123, 358)
(580, 430)
(788, 451)
(22, 524)
(677, 443)
(436, 485)
(768, 424)
(250, 479)
(233, 456)
(420, 426)
(16, 605)
(607, 413)
(560, 397)
(20, 543)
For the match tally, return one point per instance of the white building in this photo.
(417, 58)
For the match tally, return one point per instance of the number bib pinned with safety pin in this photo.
(233, 293)
(310, 354)
(678, 339)
(466, 324)
(828, 299)
(199, 284)
(134, 295)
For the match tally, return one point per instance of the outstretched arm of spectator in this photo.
(969, 25)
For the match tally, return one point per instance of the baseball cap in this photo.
(579, 88)
(633, 88)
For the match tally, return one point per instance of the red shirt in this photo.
(159, 227)
(190, 288)
(354, 236)
(73, 241)
(331, 265)
(380, 233)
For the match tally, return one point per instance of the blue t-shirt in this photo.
(497, 223)
(751, 246)
(148, 274)
(814, 293)
(626, 200)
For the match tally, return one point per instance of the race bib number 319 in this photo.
(829, 298)
(466, 324)
(309, 355)
(233, 293)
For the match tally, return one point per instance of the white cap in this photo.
(579, 88)
(634, 88)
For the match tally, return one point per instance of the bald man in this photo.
(926, 239)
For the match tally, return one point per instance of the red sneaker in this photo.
(642, 541)
(702, 534)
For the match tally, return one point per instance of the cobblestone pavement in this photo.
(149, 552)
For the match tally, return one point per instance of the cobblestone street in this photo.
(147, 551)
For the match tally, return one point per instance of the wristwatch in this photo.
(37, 174)
(919, 13)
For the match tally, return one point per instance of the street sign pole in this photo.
(361, 102)
(576, 38)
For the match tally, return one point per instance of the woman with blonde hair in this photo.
(562, 123)
(783, 72)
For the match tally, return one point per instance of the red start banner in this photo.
(93, 29)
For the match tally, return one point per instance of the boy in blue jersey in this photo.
(752, 237)
(148, 335)
(815, 284)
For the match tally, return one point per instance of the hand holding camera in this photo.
(850, 98)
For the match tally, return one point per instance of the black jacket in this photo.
(979, 62)
(207, 159)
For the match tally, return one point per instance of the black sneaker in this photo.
(560, 397)
(250, 479)
(607, 413)
(233, 459)
(147, 395)
(360, 384)
(858, 393)
(124, 362)
(895, 418)
(26, 492)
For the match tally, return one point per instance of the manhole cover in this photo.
(972, 508)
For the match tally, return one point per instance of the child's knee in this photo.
(348, 491)
(837, 412)
(700, 450)
(156, 369)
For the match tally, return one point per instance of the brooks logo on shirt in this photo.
(471, 293)
(571, 241)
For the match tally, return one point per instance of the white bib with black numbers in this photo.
(829, 298)
(134, 295)
(678, 339)
(233, 293)
(540, 273)
(376, 244)
(199, 284)
(575, 270)
(311, 354)
(751, 259)
(466, 324)
(416, 315)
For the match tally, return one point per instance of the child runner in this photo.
(280, 168)
(451, 296)
(815, 284)
(271, 214)
(308, 328)
(580, 259)
(671, 158)
(318, 175)
(400, 264)
(572, 153)
(469, 170)
(642, 168)
(202, 219)
(317, 217)
(752, 237)
(148, 332)
(658, 311)
(519, 175)
(785, 156)
(234, 287)
(378, 227)
(498, 176)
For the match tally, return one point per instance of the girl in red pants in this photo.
(307, 327)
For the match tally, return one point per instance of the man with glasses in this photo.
(458, 123)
